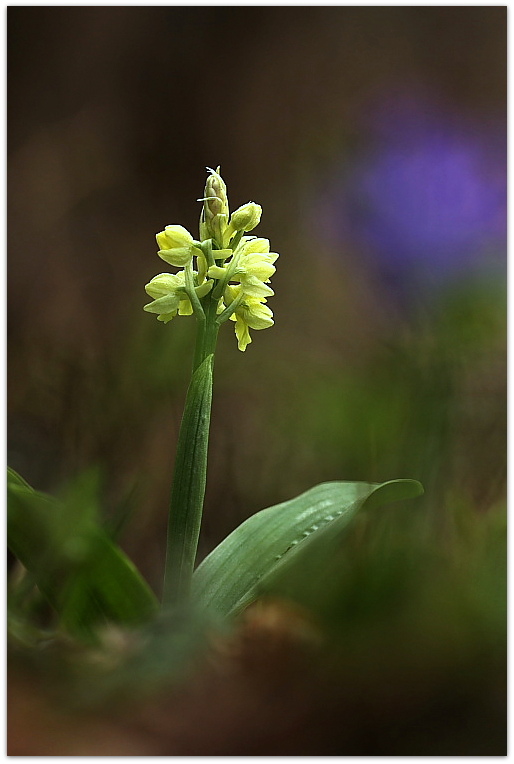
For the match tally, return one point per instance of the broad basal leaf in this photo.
(245, 562)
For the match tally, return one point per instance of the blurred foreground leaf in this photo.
(86, 578)
(280, 540)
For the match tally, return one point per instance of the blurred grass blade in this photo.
(13, 478)
(233, 573)
(81, 572)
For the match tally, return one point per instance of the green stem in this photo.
(220, 287)
(189, 479)
(207, 332)
(235, 241)
(190, 289)
(225, 315)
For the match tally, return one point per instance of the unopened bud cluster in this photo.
(224, 265)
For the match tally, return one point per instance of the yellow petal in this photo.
(165, 304)
(216, 272)
(242, 334)
(258, 266)
(185, 308)
(231, 292)
(258, 316)
(204, 288)
(165, 317)
(254, 287)
(174, 236)
(260, 246)
(178, 256)
(164, 283)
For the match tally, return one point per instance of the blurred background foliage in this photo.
(374, 139)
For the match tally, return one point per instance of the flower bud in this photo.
(246, 218)
(216, 193)
(216, 211)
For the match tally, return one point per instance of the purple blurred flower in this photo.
(428, 199)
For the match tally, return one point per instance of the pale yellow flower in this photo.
(170, 298)
(253, 268)
(176, 245)
(251, 313)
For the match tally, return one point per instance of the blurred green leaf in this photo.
(14, 479)
(283, 537)
(82, 573)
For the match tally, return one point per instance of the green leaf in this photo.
(188, 487)
(285, 536)
(13, 478)
(81, 572)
